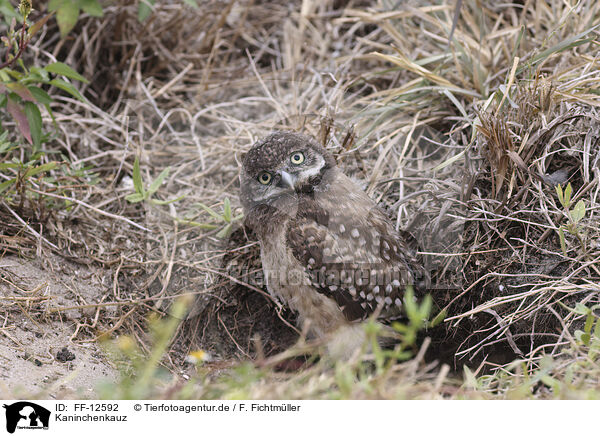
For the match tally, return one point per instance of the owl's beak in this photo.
(287, 180)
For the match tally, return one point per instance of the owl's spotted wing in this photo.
(358, 261)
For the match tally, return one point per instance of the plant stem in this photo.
(22, 46)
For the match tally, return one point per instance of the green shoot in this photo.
(574, 215)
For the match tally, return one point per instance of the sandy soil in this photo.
(44, 352)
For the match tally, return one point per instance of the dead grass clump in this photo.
(179, 48)
(516, 87)
(527, 286)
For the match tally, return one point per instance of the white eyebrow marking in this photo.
(313, 171)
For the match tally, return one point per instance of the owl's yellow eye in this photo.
(264, 178)
(297, 158)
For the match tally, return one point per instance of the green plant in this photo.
(145, 194)
(574, 216)
(418, 319)
(226, 217)
(590, 335)
(67, 12)
(22, 93)
(23, 172)
(141, 373)
(7, 12)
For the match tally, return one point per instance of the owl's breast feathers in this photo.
(345, 245)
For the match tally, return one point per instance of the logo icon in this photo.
(26, 415)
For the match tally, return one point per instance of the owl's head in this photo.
(282, 165)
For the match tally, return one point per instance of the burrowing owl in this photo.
(327, 250)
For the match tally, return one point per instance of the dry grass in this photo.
(461, 141)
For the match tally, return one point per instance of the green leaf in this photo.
(53, 5)
(16, 111)
(581, 309)
(145, 9)
(559, 193)
(211, 212)
(35, 122)
(11, 73)
(589, 323)
(549, 381)
(8, 12)
(163, 202)
(38, 74)
(456, 103)
(518, 43)
(561, 236)
(578, 211)
(7, 146)
(59, 83)
(66, 17)
(227, 210)
(568, 193)
(565, 44)
(470, 379)
(137, 178)
(65, 70)
(32, 171)
(202, 226)
(225, 231)
(410, 305)
(134, 198)
(38, 25)
(91, 7)
(438, 318)
(40, 95)
(158, 181)
(582, 337)
(6, 184)
(192, 3)
(21, 90)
